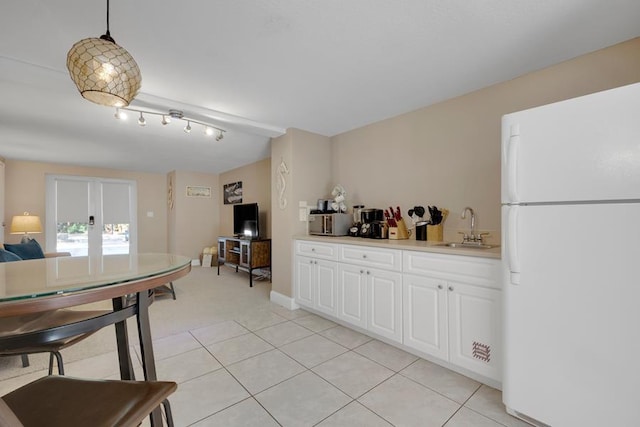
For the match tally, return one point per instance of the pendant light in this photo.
(104, 72)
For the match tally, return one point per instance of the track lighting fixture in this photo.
(165, 119)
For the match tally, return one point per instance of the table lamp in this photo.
(27, 224)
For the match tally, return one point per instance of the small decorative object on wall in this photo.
(281, 184)
(233, 193)
(170, 194)
(198, 191)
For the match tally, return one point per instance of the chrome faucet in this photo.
(472, 236)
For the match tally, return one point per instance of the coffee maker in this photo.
(373, 225)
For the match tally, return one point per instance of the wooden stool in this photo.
(56, 401)
(30, 323)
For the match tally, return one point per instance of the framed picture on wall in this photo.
(198, 191)
(233, 193)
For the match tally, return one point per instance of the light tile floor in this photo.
(240, 360)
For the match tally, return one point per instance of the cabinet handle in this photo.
(361, 271)
(450, 288)
(313, 249)
(439, 286)
(368, 272)
(364, 256)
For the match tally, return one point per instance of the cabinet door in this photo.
(304, 289)
(425, 315)
(352, 295)
(474, 322)
(221, 250)
(384, 303)
(245, 254)
(326, 284)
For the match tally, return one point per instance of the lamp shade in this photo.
(104, 72)
(26, 224)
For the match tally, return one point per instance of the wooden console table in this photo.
(245, 254)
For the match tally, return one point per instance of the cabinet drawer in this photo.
(317, 249)
(387, 259)
(475, 270)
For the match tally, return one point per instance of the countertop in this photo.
(407, 244)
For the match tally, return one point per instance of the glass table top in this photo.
(52, 276)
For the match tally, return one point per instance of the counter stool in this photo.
(56, 401)
(41, 321)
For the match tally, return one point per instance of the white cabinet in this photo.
(474, 328)
(316, 277)
(304, 281)
(451, 310)
(366, 256)
(370, 289)
(384, 303)
(352, 294)
(442, 305)
(425, 315)
(371, 298)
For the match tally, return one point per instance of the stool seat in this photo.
(40, 321)
(56, 401)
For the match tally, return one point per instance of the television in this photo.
(245, 221)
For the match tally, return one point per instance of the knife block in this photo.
(400, 232)
(435, 233)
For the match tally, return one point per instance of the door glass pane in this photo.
(115, 239)
(73, 237)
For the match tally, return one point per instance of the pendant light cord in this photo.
(107, 36)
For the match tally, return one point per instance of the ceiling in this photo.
(256, 68)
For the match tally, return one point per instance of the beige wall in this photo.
(256, 188)
(281, 268)
(308, 160)
(448, 154)
(25, 191)
(194, 220)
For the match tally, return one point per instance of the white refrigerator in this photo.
(571, 261)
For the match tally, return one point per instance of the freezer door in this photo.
(586, 148)
(572, 317)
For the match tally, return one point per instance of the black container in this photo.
(421, 230)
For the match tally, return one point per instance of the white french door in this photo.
(91, 216)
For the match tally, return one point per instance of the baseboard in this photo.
(283, 300)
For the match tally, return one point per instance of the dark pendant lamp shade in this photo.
(104, 72)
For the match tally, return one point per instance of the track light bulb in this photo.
(187, 128)
(219, 136)
(141, 120)
(165, 120)
(120, 115)
(208, 131)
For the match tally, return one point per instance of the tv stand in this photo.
(244, 254)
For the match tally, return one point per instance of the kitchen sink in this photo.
(468, 245)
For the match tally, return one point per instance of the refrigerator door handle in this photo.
(512, 163)
(512, 245)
